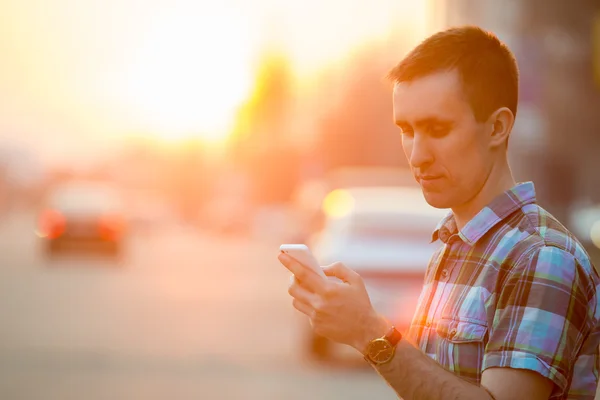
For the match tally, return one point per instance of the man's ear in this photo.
(500, 125)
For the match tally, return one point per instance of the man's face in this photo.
(446, 147)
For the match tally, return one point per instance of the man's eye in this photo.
(437, 131)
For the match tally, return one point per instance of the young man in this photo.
(509, 308)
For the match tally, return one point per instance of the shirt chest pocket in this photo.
(460, 346)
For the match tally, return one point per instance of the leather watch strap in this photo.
(393, 336)
(381, 350)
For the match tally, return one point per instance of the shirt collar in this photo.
(500, 208)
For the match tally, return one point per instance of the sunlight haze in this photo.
(78, 72)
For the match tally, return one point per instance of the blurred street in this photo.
(217, 131)
(184, 315)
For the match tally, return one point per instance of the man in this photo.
(509, 308)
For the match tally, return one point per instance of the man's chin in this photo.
(436, 199)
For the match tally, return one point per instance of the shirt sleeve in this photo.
(544, 312)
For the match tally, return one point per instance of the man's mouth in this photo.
(429, 177)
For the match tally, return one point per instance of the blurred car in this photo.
(584, 222)
(81, 216)
(384, 234)
(308, 196)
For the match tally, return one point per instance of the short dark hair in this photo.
(487, 68)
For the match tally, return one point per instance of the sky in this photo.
(78, 75)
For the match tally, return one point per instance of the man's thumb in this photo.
(343, 273)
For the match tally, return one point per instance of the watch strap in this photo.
(393, 336)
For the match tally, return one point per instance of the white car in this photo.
(384, 234)
(81, 216)
(585, 224)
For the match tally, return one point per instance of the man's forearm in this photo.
(415, 376)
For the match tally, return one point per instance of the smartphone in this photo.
(302, 254)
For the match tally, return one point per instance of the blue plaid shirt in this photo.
(514, 288)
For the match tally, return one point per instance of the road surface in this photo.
(184, 315)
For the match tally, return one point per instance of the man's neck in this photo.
(498, 181)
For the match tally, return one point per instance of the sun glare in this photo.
(172, 70)
(191, 75)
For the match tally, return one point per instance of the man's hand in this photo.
(342, 311)
(339, 311)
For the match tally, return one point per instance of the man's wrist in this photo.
(376, 327)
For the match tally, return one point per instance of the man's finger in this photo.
(298, 291)
(303, 308)
(343, 273)
(309, 278)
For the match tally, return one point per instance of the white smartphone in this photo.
(302, 254)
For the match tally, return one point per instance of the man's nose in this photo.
(420, 155)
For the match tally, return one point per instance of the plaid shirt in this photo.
(514, 289)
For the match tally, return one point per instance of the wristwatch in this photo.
(382, 350)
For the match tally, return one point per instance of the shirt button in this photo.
(428, 324)
(452, 333)
(444, 273)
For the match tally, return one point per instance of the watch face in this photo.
(381, 351)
